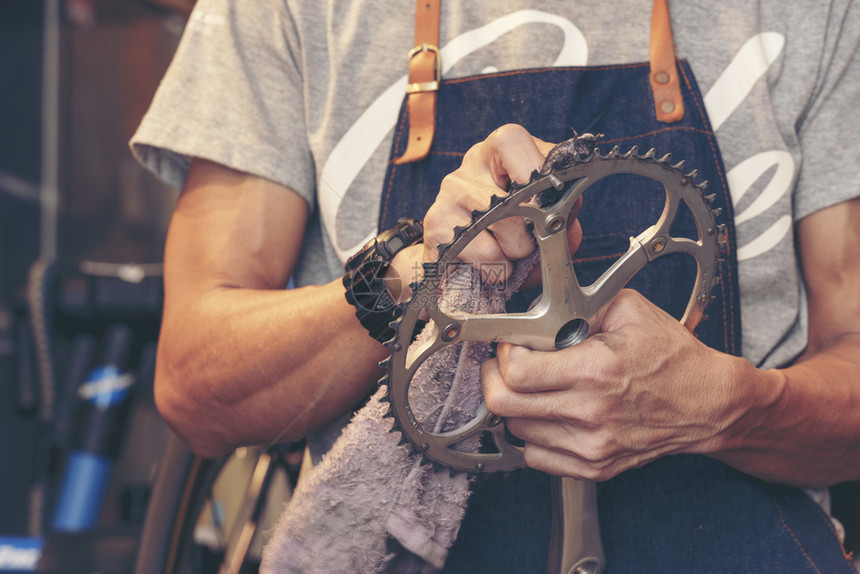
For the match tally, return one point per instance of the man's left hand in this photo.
(640, 388)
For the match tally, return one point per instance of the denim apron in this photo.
(683, 513)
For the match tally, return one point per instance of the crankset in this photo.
(565, 312)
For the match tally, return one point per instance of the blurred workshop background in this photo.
(91, 478)
(82, 230)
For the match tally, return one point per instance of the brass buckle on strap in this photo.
(432, 86)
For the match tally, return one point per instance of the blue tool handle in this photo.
(82, 491)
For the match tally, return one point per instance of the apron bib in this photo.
(683, 513)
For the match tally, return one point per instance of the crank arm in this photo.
(575, 547)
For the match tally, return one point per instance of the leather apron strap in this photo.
(668, 103)
(425, 67)
(425, 73)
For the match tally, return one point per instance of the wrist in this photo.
(404, 270)
(754, 397)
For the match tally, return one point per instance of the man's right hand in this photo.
(509, 154)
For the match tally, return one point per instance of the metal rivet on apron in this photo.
(662, 78)
(667, 107)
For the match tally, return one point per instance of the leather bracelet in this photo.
(364, 272)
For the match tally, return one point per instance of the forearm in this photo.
(803, 426)
(242, 366)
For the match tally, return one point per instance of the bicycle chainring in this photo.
(565, 312)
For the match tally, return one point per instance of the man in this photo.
(270, 101)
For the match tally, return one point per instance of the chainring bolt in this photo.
(555, 223)
(451, 332)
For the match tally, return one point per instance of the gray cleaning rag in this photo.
(370, 505)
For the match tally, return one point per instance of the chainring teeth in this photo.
(679, 182)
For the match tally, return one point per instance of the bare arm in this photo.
(810, 433)
(241, 360)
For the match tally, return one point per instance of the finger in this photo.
(460, 194)
(513, 154)
(561, 462)
(502, 401)
(527, 371)
(574, 228)
(574, 236)
(492, 253)
(577, 207)
(404, 270)
(498, 398)
(568, 451)
(558, 463)
(514, 239)
(591, 442)
(485, 254)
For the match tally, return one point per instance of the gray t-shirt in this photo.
(306, 94)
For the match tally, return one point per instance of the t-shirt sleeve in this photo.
(830, 169)
(233, 94)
